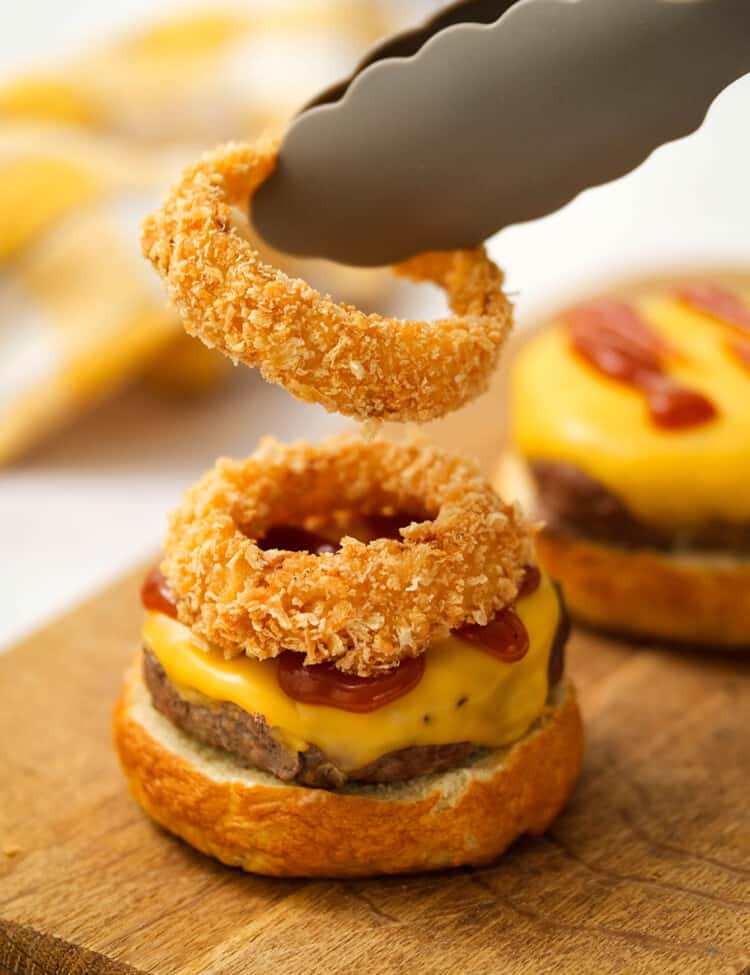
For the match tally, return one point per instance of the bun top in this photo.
(647, 390)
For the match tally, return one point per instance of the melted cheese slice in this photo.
(565, 410)
(465, 694)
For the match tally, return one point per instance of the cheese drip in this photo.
(466, 694)
(563, 410)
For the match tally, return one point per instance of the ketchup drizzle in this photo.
(530, 582)
(324, 684)
(723, 305)
(389, 526)
(505, 636)
(155, 594)
(290, 538)
(612, 338)
(718, 302)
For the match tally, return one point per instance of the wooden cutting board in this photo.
(648, 870)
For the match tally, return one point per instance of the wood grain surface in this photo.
(648, 870)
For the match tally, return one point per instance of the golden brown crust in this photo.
(699, 599)
(463, 817)
(366, 606)
(364, 366)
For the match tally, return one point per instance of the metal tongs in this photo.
(494, 112)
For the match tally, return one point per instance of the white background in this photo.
(81, 510)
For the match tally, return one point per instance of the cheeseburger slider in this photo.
(350, 665)
(631, 439)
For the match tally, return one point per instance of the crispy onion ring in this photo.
(366, 606)
(363, 366)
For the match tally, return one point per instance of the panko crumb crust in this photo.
(248, 819)
(365, 366)
(368, 605)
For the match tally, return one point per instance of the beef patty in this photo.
(251, 742)
(570, 500)
(248, 738)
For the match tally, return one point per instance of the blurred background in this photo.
(107, 411)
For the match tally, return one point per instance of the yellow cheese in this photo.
(565, 410)
(499, 701)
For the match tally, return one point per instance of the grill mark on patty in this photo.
(248, 738)
(572, 501)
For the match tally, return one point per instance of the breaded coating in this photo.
(363, 366)
(365, 606)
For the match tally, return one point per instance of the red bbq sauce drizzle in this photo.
(612, 338)
(532, 577)
(723, 305)
(389, 526)
(505, 636)
(155, 594)
(289, 538)
(719, 303)
(324, 684)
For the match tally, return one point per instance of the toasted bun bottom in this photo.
(248, 818)
(700, 598)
